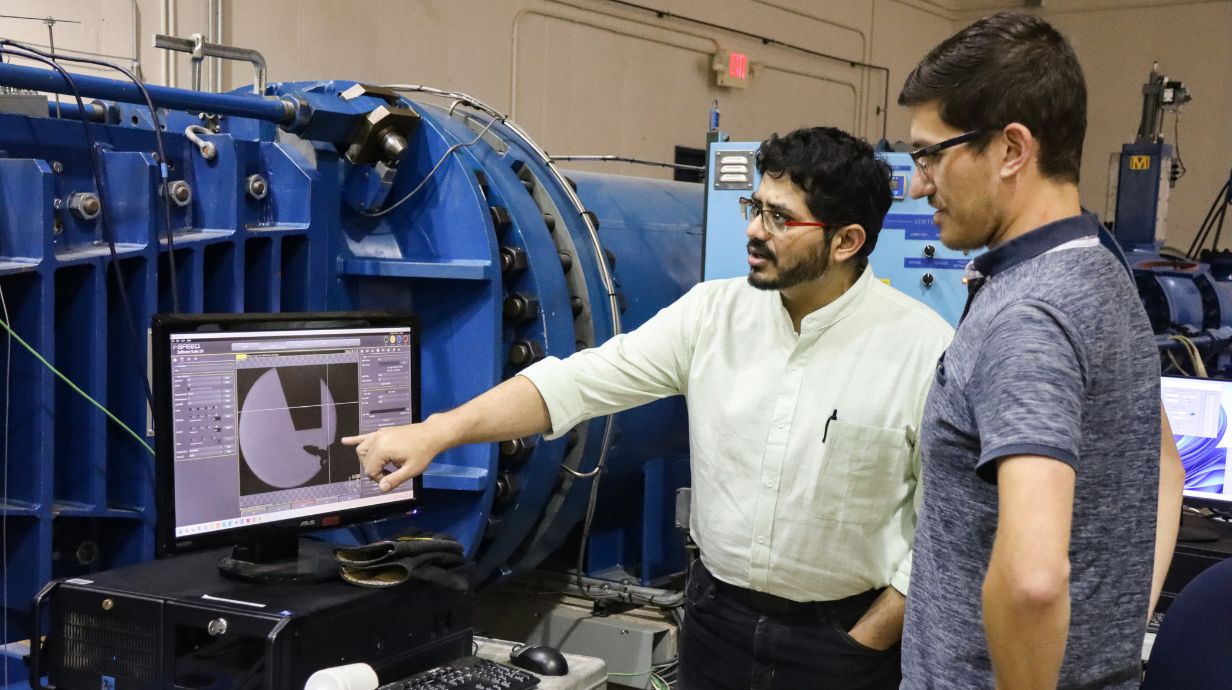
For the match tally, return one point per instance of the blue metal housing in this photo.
(1142, 195)
(495, 253)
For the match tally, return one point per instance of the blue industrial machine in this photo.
(318, 196)
(1146, 168)
(909, 254)
(1187, 295)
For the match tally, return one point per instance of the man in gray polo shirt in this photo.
(1045, 457)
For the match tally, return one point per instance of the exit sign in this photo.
(731, 69)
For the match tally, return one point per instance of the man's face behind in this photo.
(959, 182)
(796, 255)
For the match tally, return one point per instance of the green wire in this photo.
(74, 387)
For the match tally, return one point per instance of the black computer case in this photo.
(177, 623)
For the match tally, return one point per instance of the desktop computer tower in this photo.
(178, 623)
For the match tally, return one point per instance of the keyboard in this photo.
(467, 673)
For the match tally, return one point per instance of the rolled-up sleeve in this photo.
(631, 369)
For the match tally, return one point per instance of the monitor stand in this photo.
(282, 560)
(1195, 530)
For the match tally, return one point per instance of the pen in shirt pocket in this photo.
(826, 432)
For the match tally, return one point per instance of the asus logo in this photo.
(307, 523)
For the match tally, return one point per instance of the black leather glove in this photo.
(398, 547)
(427, 557)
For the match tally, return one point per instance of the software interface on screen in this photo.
(1198, 413)
(258, 419)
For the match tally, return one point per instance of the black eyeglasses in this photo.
(926, 156)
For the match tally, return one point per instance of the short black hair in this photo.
(843, 181)
(1009, 67)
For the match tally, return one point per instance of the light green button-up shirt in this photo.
(782, 501)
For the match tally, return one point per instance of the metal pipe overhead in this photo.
(281, 112)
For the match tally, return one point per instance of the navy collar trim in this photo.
(1040, 240)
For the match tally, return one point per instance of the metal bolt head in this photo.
(57, 203)
(524, 352)
(513, 260)
(108, 604)
(217, 627)
(180, 192)
(85, 205)
(257, 187)
(57, 167)
(393, 145)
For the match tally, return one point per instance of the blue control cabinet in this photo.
(1142, 195)
(731, 173)
(909, 254)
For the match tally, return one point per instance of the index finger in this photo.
(355, 440)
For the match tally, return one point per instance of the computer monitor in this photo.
(249, 412)
(1198, 411)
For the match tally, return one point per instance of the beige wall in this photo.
(591, 76)
(582, 76)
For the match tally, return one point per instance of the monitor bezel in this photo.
(1203, 499)
(163, 326)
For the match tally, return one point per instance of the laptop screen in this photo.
(1198, 410)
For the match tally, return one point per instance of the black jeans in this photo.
(727, 644)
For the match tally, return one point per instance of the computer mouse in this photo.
(540, 659)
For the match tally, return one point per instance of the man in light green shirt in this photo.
(805, 385)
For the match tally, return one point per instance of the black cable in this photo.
(1199, 240)
(1176, 145)
(586, 524)
(164, 194)
(7, 47)
(1212, 358)
(585, 590)
(1208, 221)
(766, 40)
(1222, 213)
(1204, 230)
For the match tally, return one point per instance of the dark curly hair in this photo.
(843, 181)
(1009, 67)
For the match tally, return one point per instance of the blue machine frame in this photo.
(503, 262)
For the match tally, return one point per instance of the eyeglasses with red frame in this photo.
(774, 222)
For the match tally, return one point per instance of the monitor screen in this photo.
(250, 413)
(1198, 411)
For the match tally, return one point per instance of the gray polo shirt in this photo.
(1054, 357)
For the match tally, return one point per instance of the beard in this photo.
(809, 268)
